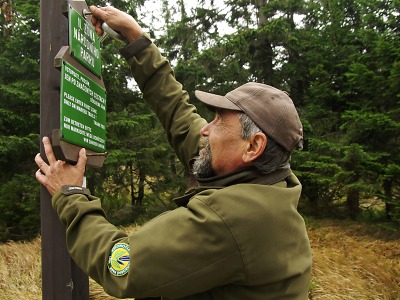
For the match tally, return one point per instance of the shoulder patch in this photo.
(119, 259)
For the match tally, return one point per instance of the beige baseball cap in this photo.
(270, 108)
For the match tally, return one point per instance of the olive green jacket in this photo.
(237, 236)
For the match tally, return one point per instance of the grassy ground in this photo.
(351, 261)
(354, 261)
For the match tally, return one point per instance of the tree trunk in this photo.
(142, 177)
(387, 189)
(353, 202)
(132, 184)
(263, 52)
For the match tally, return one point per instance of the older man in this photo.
(236, 234)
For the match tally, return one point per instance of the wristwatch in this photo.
(74, 189)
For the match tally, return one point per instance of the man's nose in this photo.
(205, 130)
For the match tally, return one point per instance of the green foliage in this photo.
(340, 66)
(352, 101)
(19, 208)
(19, 121)
(317, 168)
(375, 130)
(339, 61)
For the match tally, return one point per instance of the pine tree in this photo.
(19, 119)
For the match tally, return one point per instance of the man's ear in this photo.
(255, 148)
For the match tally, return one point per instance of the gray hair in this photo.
(274, 157)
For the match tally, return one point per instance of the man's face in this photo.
(223, 146)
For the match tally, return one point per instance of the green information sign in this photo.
(84, 42)
(83, 110)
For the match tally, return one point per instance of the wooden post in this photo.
(61, 278)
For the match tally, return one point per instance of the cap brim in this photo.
(216, 101)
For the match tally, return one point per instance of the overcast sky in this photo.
(152, 13)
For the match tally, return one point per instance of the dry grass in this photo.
(354, 261)
(351, 261)
(20, 270)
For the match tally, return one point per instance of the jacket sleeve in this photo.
(166, 257)
(169, 101)
(89, 236)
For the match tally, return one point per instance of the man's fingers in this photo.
(117, 20)
(93, 9)
(39, 176)
(48, 149)
(96, 19)
(98, 13)
(41, 164)
(97, 27)
(81, 163)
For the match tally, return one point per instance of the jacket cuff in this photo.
(136, 46)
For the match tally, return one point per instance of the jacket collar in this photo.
(247, 175)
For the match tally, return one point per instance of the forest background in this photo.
(338, 59)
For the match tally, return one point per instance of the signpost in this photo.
(83, 41)
(83, 110)
(73, 114)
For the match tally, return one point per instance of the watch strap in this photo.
(74, 189)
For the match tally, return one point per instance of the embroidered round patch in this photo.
(119, 261)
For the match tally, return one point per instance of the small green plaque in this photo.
(83, 110)
(84, 42)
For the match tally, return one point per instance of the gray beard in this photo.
(202, 164)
